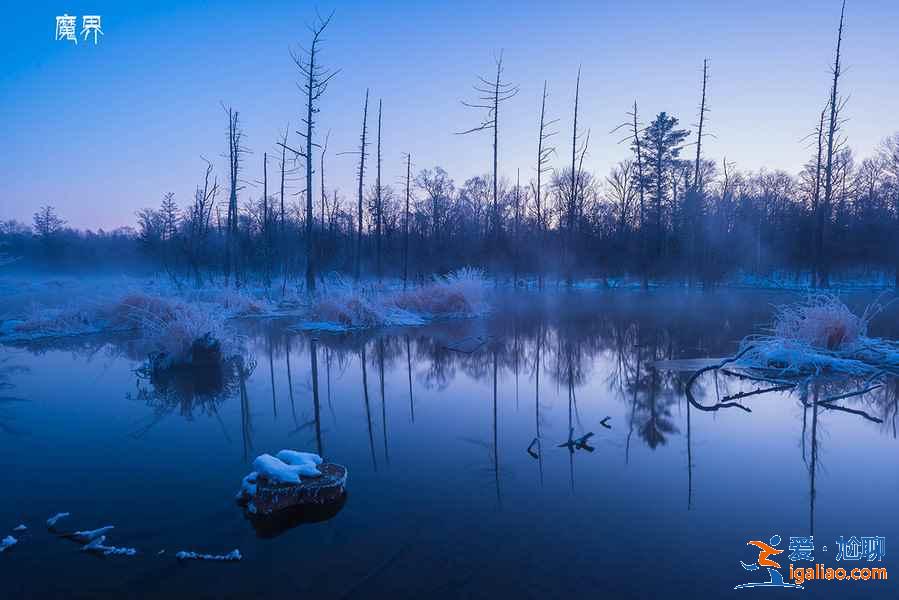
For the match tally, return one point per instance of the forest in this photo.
(665, 211)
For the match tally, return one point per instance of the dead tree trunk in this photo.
(544, 152)
(378, 200)
(695, 258)
(316, 79)
(495, 92)
(362, 144)
(832, 131)
(406, 221)
(817, 210)
(282, 238)
(234, 152)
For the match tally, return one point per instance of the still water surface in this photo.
(435, 426)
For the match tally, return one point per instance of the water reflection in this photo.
(452, 435)
(621, 347)
(8, 403)
(276, 524)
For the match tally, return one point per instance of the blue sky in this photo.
(101, 131)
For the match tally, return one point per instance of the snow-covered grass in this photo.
(342, 306)
(821, 321)
(820, 335)
(459, 294)
(177, 331)
(170, 319)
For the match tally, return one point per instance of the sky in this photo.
(100, 131)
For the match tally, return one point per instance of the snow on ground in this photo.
(234, 555)
(96, 545)
(51, 522)
(87, 537)
(21, 527)
(169, 318)
(7, 542)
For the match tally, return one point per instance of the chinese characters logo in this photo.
(802, 549)
(66, 28)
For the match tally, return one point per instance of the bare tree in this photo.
(406, 217)
(817, 208)
(315, 83)
(379, 208)
(574, 189)
(362, 146)
(235, 151)
(697, 180)
(836, 106)
(544, 153)
(635, 133)
(198, 220)
(493, 94)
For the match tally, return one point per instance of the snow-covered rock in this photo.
(290, 478)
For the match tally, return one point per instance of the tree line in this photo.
(658, 214)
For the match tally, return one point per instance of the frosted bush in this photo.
(461, 293)
(822, 321)
(820, 336)
(350, 310)
(176, 331)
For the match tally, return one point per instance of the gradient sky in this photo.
(101, 131)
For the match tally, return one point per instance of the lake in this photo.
(462, 482)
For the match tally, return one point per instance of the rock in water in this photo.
(264, 496)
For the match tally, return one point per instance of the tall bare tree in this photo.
(315, 78)
(235, 150)
(493, 93)
(544, 152)
(362, 153)
(406, 221)
(836, 106)
(379, 207)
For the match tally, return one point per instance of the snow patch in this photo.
(21, 527)
(86, 537)
(278, 471)
(96, 545)
(293, 457)
(51, 522)
(7, 542)
(234, 555)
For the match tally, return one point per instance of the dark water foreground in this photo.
(435, 426)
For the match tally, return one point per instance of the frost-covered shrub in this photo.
(238, 303)
(822, 321)
(58, 321)
(351, 310)
(820, 336)
(460, 293)
(176, 332)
